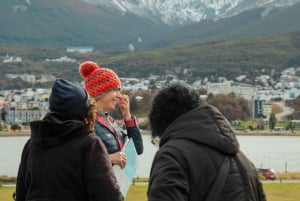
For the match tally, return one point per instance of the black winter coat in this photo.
(64, 161)
(191, 153)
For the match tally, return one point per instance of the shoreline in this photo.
(238, 133)
(14, 134)
(267, 133)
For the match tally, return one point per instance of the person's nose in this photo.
(118, 94)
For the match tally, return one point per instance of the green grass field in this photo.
(274, 192)
(282, 192)
(6, 193)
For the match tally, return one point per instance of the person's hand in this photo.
(118, 158)
(124, 106)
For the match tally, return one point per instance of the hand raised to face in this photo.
(124, 106)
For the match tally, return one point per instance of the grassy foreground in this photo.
(274, 192)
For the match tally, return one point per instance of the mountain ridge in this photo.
(185, 12)
(246, 24)
(60, 23)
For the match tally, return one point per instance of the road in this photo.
(282, 181)
(285, 110)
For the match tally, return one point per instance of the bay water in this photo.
(282, 153)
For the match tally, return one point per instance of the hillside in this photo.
(229, 58)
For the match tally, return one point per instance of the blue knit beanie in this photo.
(67, 97)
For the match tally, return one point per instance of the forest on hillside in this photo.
(229, 58)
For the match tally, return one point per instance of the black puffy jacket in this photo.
(191, 153)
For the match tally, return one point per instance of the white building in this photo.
(22, 116)
(80, 49)
(241, 90)
(11, 59)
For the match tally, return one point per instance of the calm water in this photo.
(278, 152)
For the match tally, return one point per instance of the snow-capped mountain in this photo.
(180, 12)
(142, 24)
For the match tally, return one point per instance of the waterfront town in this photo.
(21, 106)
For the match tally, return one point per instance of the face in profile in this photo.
(108, 100)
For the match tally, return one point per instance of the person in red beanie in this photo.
(104, 85)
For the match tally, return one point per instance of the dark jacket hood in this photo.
(56, 128)
(204, 125)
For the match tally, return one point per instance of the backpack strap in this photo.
(215, 191)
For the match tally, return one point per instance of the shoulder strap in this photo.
(218, 186)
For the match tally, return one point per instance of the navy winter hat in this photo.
(67, 97)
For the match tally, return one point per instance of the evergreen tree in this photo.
(272, 121)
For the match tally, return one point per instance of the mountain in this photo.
(184, 12)
(251, 23)
(120, 24)
(72, 23)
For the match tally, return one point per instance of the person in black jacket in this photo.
(64, 159)
(104, 85)
(193, 141)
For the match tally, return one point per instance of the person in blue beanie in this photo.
(199, 158)
(64, 159)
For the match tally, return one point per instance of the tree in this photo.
(15, 127)
(202, 91)
(272, 121)
(233, 108)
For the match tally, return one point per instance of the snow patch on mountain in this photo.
(179, 12)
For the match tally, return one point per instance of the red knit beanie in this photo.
(97, 79)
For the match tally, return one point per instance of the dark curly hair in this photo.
(169, 104)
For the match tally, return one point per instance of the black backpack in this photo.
(243, 163)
